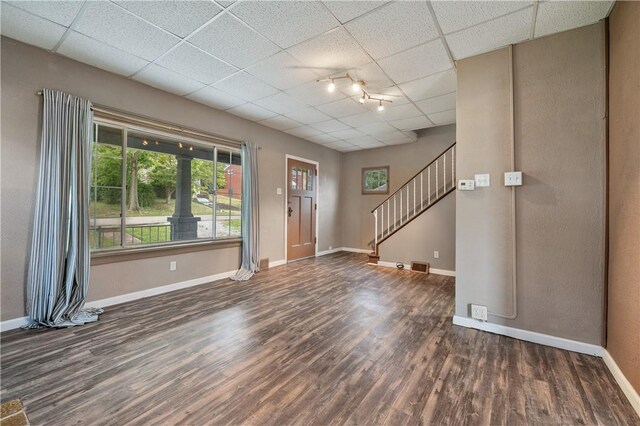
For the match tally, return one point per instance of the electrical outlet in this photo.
(513, 179)
(479, 312)
(173, 265)
(330, 248)
(436, 255)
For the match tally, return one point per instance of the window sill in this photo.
(135, 253)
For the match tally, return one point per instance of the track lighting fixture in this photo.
(356, 86)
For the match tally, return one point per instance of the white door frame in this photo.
(286, 197)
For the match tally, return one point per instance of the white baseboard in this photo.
(627, 388)
(355, 250)
(408, 268)
(156, 290)
(277, 263)
(530, 336)
(325, 252)
(12, 324)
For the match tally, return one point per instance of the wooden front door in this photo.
(301, 209)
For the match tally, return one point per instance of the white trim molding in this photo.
(277, 263)
(631, 394)
(355, 250)
(330, 251)
(530, 336)
(12, 324)
(408, 268)
(157, 290)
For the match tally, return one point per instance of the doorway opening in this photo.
(301, 209)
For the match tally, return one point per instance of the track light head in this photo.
(362, 98)
(331, 87)
(380, 106)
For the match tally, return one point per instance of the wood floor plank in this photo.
(320, 341)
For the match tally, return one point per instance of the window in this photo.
(302, 178)
(150, 188)
(375, 180)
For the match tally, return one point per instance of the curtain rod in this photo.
(158, 123)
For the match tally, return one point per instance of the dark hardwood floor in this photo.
(321, 341)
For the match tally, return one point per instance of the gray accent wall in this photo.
(559, 104)
(27, 69)
(433, 230)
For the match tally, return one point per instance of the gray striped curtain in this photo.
(58, 278)
(250, 214)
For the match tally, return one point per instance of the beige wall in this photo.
(559, 108)
(433, 230)
(623, 316)
(27, 69)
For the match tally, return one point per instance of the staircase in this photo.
(416, 196)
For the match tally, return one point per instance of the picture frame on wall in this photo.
(375, 180)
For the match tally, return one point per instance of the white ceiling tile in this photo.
(308, 115)
(225, 3)
(315, 93)
(559, 16)
(399, 112)
(333, 50)
(342, 108)
(286, 22)
(165, 79)
(377, 129)
(280, 103)
(395, 137)
(456, 15)
(303, 132)
(178, 17)
(28, 28)
(393, 28)
(361, 119)
(251, 112)
(330, 126)
(342, 146)
(322, 139)
(215, 98)
(233, 41)
(282, 71)
(194, 63)
(364, 141)
(280, 123)
(438, 103)
(444, 117)
(100, 55)
(414, 123)
(375, 79)
(246, 86)
(61, 12)
(347, 134)
(348, 10)
(491, 35)
(417, 62)
(428, 87)
(398, 142)
(113, 25)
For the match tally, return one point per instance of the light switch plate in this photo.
(483, 180)
(512, 178)
(466, 185)
(278, 191)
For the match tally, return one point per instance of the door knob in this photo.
(290, 211)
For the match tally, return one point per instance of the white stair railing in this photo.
(423, 190)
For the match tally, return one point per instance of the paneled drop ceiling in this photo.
(260, 59)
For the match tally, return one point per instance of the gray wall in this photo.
(434, 230)
(27, 69)
(559, 105)
(623, 319)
